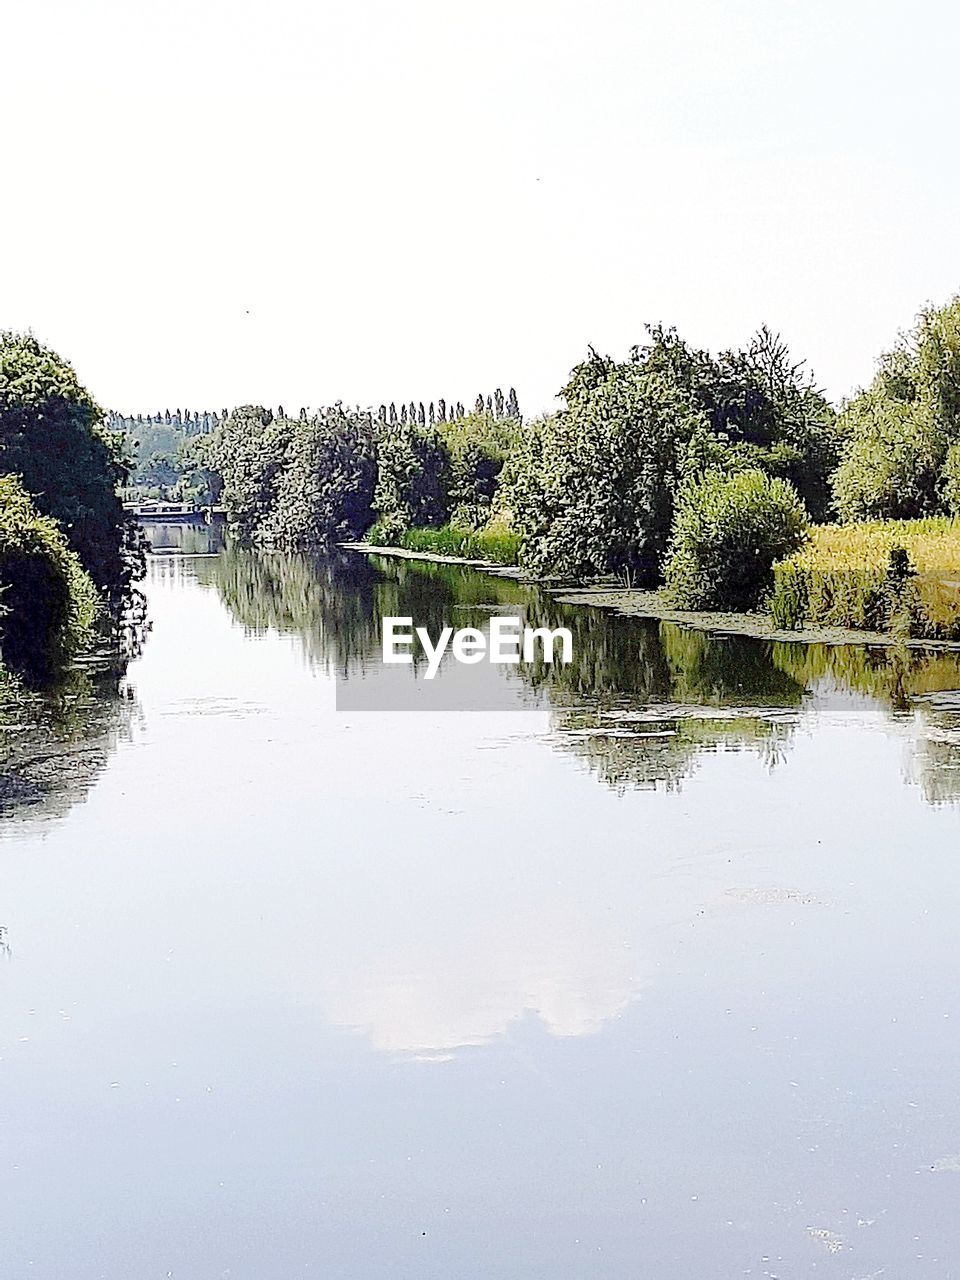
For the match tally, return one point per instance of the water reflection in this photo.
(642, 701)
(55, 745)
(184, 537)
(694, 1028)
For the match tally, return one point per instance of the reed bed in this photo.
(494, 543)
(842, 578)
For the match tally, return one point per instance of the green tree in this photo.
(414, 478)
(52, 434)
(900, 432)
(249, 453)
(892, 464)
(293, 483)
(324, 492)
(763, 409)
(593, 486)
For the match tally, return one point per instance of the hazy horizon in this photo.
(212, 204)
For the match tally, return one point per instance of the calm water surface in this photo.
(652, 973)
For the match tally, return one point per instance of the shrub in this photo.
(727, 533)
(48, 603)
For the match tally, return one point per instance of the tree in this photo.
(52, 434)
(249, 453)
(950, 480)
(324, 490)
(900, 432)
(593, 486)
(893, 460)
(763, 408)
(414, 478)
(479, 447)
(48, 602)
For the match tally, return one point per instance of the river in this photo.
(650, 971)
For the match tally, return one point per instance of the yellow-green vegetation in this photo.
(848, 576)
(48, 602)
(496, 542)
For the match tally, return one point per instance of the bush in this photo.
(727, 533)
(48, 603)
(873, 576)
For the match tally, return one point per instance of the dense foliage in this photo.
(48, 602)
(763, 409)
(479, 445)
(673, 464)
(414, 480)
(52, 435)
(898, 461)
(593, 485)
(294, 482)
(728, 532)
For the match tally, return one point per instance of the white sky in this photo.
(207, 202)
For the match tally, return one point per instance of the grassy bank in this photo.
(499, 545)
(842, 578)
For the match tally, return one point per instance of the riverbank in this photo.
(636, 603)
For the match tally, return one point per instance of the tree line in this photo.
(672, 465)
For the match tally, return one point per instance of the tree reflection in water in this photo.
(54, 745)
(642, 701)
